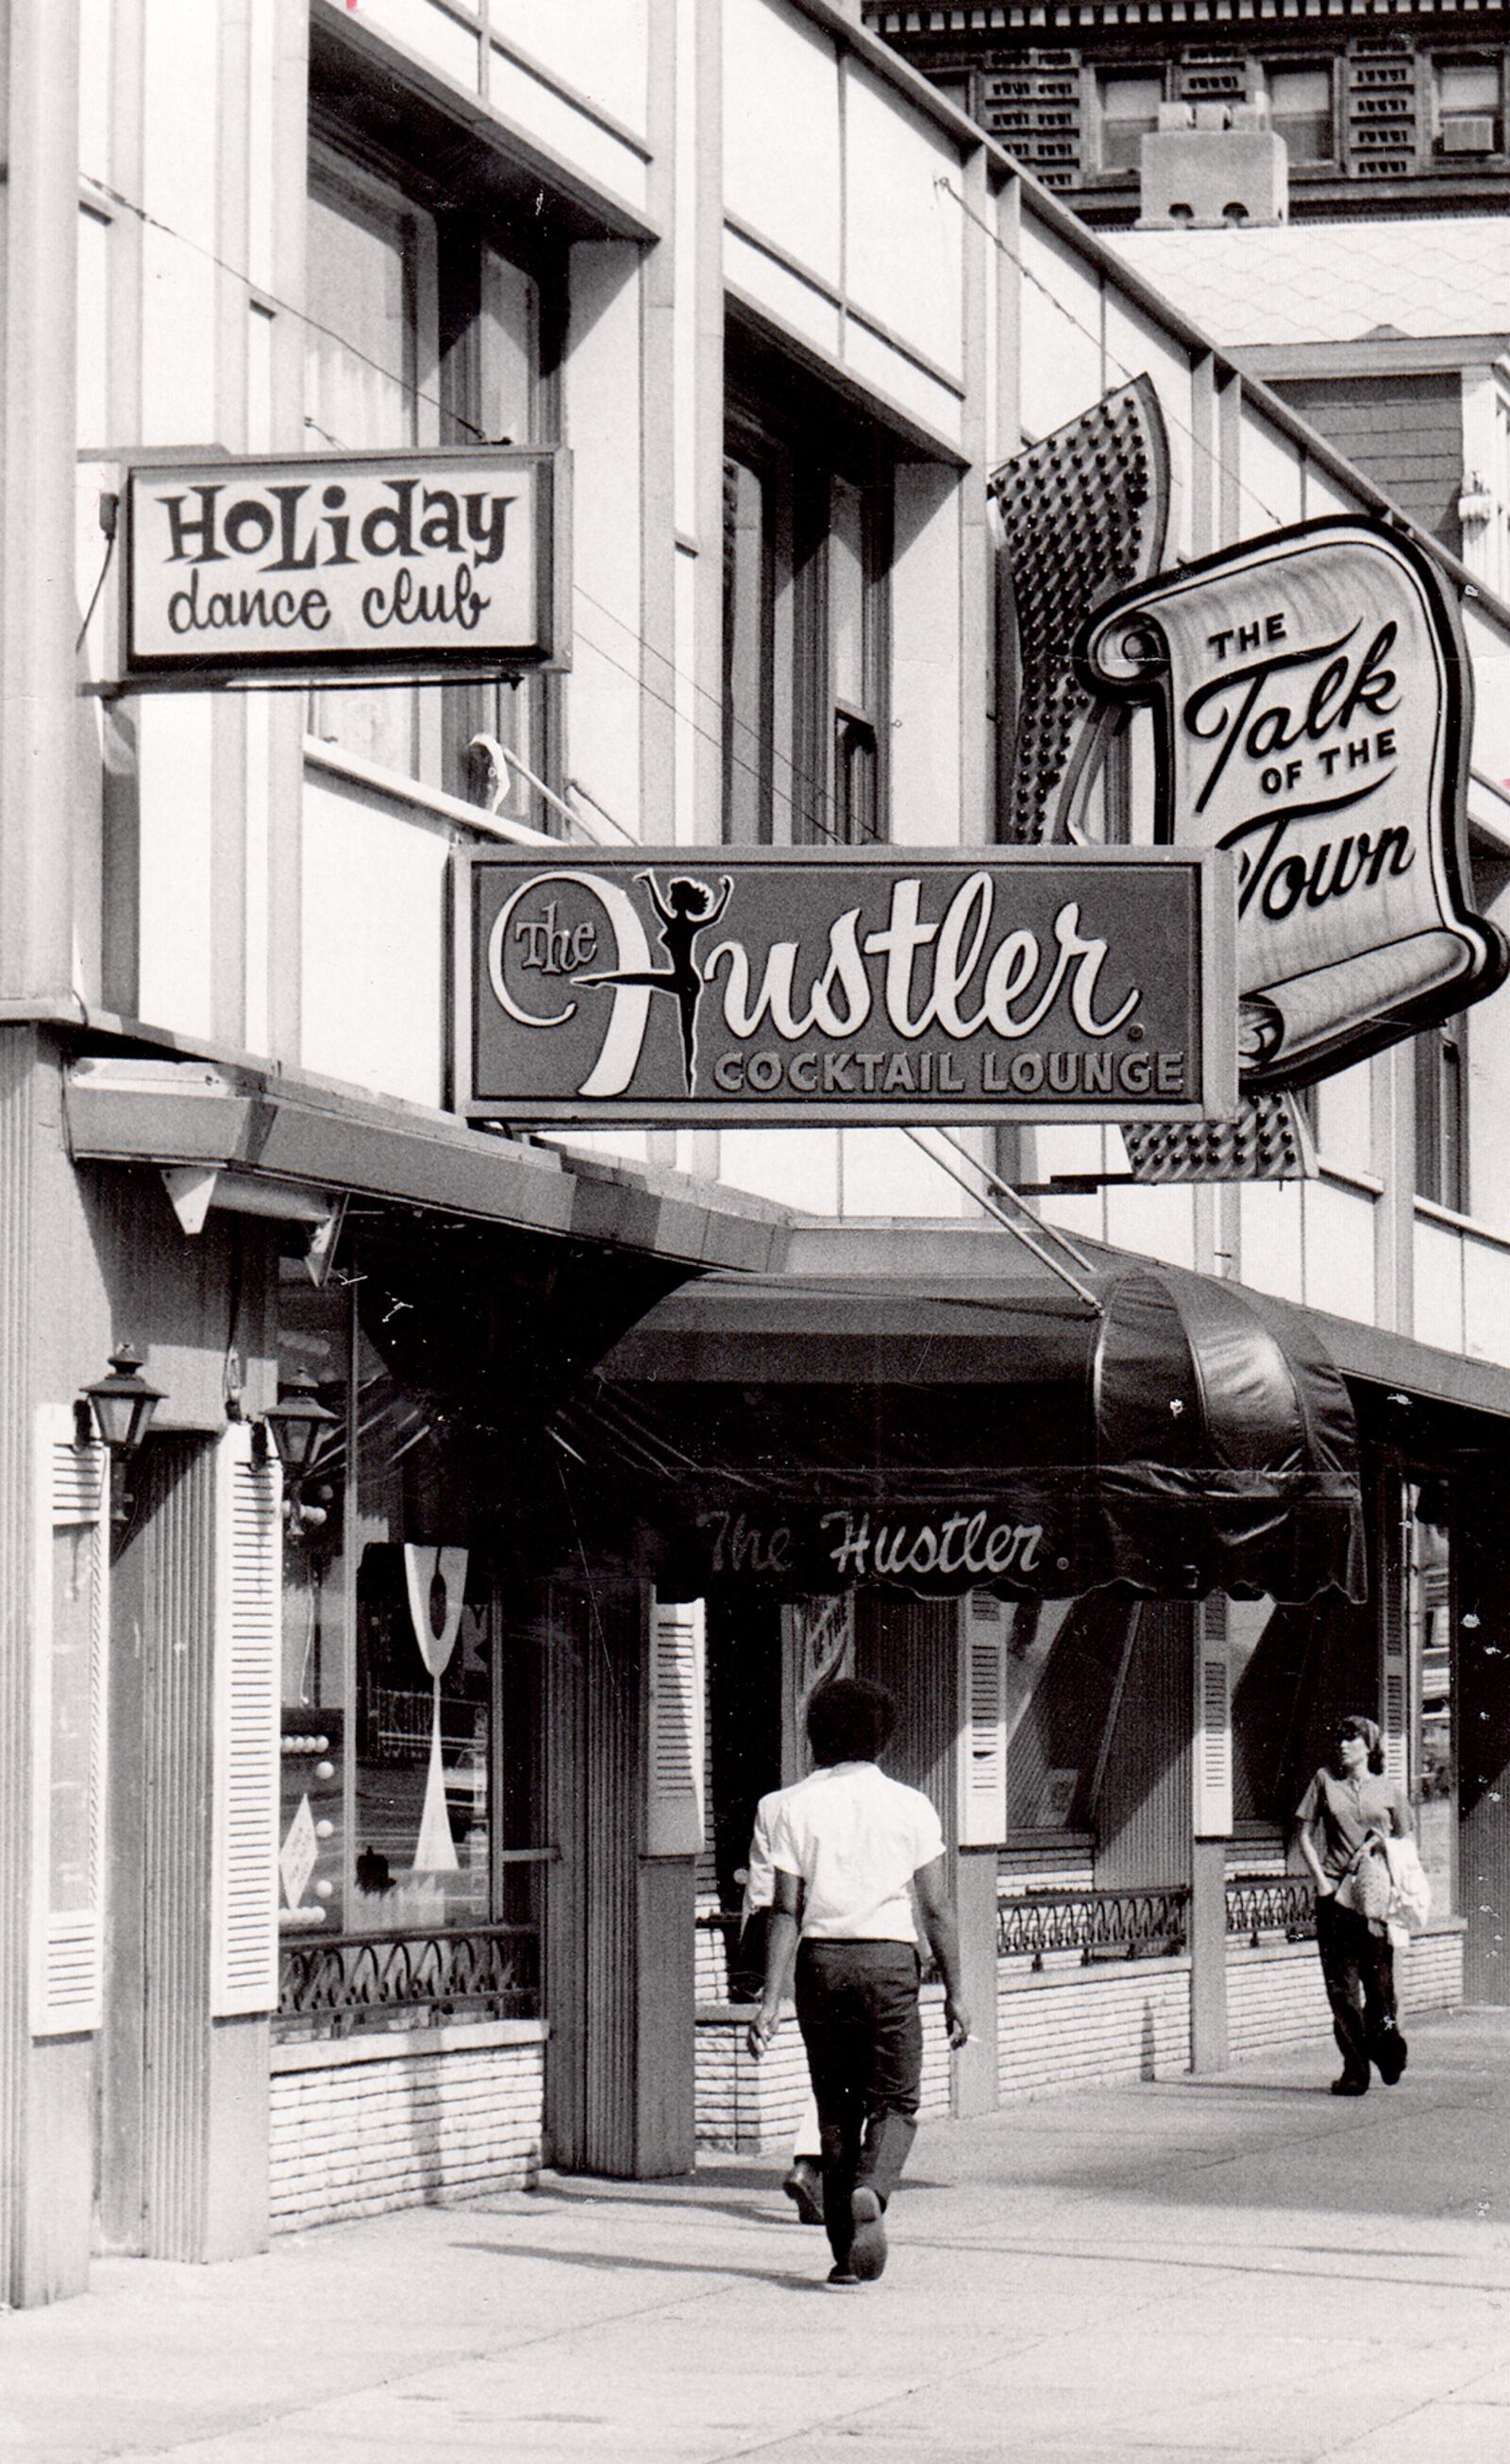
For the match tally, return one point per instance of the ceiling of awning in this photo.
(993, 1431)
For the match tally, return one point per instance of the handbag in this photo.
(1366, 1887)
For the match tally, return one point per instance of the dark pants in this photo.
(856, 2007)
(1358, 1965)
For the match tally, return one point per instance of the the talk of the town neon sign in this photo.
(1312, 697)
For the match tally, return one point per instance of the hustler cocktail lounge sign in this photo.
(1313, 705)
(420, 564)
(855, 985)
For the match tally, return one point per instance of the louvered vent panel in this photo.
(675, 1744)
(1392, 1668)
(72, 1632)
(1032, 108)
(1212, 1772)
(248, 1542)
(983, 1758)
(1381, 113)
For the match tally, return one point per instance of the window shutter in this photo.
(981, 1780)
(1212, 1787)
(70, 1656)
(1394, 1663)
(674, 1740)
(249, 1584)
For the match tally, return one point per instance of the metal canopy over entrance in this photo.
(979, 1432)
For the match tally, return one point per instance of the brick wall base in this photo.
(1090, 2027)
(751, 2105)
(1276, 1997)
(405, 2121)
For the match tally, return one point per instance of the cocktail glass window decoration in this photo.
(435, 1580)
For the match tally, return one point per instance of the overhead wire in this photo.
(1103, 347)
(798, 777)
(813, 790)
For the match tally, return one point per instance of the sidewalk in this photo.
(1242, 2268)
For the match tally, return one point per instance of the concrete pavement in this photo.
(1238, 2268)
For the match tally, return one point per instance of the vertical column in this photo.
(619, 1932)
(45, 2167)
(610, 685)
(1211, 1793)
(980, 1796)
(185, 2112)
(38, 615)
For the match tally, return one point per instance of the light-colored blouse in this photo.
(1344, 1811)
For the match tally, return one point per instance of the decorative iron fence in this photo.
(1100, 1925)
(1119, 1924)
(332, 1984)
(1260, 1904)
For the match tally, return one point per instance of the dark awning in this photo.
(992, 1431)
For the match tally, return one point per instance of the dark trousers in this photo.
(857, 2006)
(1358, 1965)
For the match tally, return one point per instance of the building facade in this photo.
(1395, 111)
(789, 313)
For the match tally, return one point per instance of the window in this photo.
(1129, 112)
(1066, 1662)
(1431, 1745)
(413, 1676)
(1300, 112)
(806, 548)
(422, 331)
(1441, 1115)
(1470, 113)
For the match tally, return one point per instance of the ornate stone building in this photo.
(1398, 110)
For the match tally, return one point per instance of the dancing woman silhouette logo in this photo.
(686, 909)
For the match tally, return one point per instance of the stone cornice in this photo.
(961, 29)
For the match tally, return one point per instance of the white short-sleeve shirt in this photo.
(855, 1839)
(760, 1886)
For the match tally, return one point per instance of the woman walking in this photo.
(1345, 1815)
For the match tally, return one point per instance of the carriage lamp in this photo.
(120, 1408)
(298, 1425)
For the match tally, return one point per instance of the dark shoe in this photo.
(867, 2251)
(1345, 2086)
(1390, 2056)
(843, 2279)
(805, 2188)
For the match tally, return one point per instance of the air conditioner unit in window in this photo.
(1472, 133)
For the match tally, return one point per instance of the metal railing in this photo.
(1260, 1904)
(331, 1984)
(1100, 1925)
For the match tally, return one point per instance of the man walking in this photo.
(850, 1848)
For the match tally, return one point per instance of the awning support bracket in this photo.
(1039, 1238)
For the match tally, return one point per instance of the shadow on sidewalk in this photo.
(612, 2262)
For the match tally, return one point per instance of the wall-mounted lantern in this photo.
(119, 1410)
(297, 1425)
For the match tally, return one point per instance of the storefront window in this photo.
(1430, 1739)
(1065, 1659)
(414, 1685)
(314, 1341)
